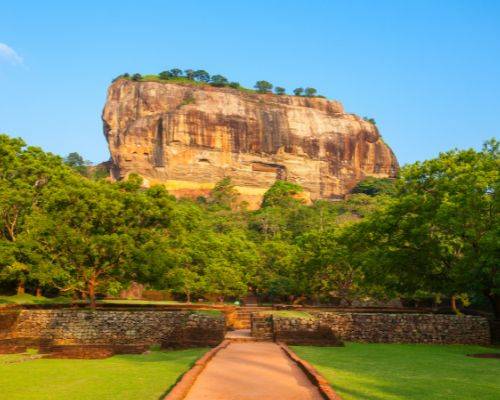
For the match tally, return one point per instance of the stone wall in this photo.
(262, 326)
(408, 328)
(112, 331)
(330, 328)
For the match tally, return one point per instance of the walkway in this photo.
(251, 371)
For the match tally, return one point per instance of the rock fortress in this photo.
(188, 137)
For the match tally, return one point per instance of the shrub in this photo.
(136, 77)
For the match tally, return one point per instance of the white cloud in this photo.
(9, 54)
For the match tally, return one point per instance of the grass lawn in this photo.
(124, 377)
(289, 314)
(406, 371)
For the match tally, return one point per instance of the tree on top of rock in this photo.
(263, 87)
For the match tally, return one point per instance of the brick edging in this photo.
(181, 388)
(314, 376)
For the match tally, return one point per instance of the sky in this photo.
(428, 71)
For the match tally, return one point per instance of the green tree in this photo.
(310, 92)
(175, 72)
(281, 193)
(165, 75)
(440, 232)
(189, 73)
(218, 80)
(298, 91)
(374, 186)
(224, 194)
(279, 90)
(136, 77)
(263, 87)
(201, 76)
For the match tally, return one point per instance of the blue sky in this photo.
(427, 71)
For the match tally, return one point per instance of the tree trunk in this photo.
(20, 288)
(38, 292)
(495, 304)
(453, 301)
(91, 286)
(188, 297)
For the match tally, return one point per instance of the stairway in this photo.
(243, 316)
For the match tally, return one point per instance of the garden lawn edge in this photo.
(181, 388)
(312, 374)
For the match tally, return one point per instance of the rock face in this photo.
(188, 137)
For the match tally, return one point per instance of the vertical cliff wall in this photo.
(188, 137)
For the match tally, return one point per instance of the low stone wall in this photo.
(107, 331)
(262, 326)
(408, 328)
(304, 331)
(330, 328)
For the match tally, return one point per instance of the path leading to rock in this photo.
(251, 371)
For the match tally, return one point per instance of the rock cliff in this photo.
(188, 137)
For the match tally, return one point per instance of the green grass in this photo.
(289, 314)
(30, 299)
(124, 377)
(139, 302)
(406, 371)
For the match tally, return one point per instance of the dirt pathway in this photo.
(251, 371)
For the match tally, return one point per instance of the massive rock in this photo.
(189, 136)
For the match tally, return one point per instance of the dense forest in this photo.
(433, 233)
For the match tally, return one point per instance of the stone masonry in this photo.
(116, 331)
(329, 328)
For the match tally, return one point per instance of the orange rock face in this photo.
(188, 137)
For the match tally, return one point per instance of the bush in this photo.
(136, 77)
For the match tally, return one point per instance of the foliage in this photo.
(374, 186)
(298, 91)
(370, 120)
(218, 80)
(279, 90)
(310, 92)
(431, 233)
(263, 86)
(200, 77)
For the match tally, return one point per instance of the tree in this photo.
(298, 92)
(77, 162)
(165, 75)
(310, 92)
(234, 85)
(136, 77)
(331, 266)
(224, 194)
(279, 90)
(440, 232)
(189, 73)
(182, 279)
(218, 80)
(374, 186)
(370, 120)
(263, 87)
(282, 193)
(175, 72)
(201, 76)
